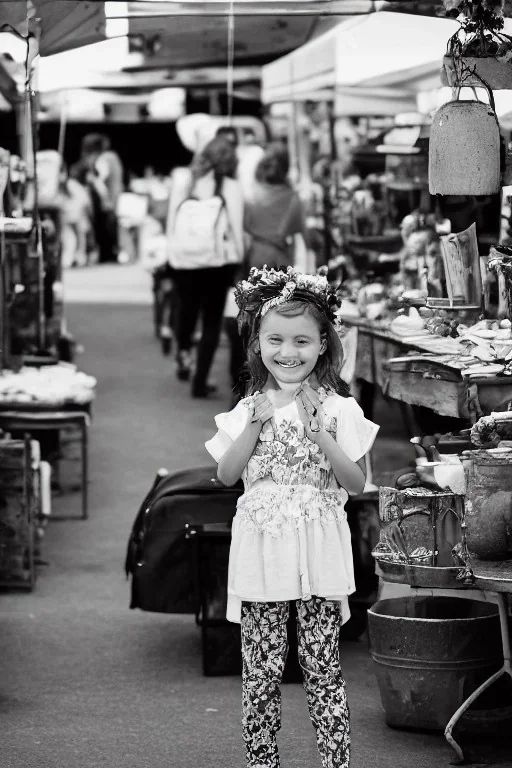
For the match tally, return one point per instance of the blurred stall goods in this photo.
(20, 512)
(53, 385)
(32, 323)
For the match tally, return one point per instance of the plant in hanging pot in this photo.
(479, 49)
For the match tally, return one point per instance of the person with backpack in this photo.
(206, 249)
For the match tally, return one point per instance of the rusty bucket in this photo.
(430, 654)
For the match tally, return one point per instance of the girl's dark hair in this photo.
(328, 365)
(274, 165)
(219, 156)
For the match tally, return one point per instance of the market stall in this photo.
(45, 403)
(438, 338)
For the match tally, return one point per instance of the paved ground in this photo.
(84, 681)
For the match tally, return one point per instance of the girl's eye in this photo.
(275, 340)
(302, 341)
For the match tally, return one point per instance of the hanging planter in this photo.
(464, 149)
(479, 50)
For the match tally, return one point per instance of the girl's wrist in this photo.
(254, 424)
(320, 436)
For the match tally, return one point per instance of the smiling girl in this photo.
(298, 441)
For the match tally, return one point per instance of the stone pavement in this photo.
(84, 681)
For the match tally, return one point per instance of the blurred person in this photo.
(274, 218)
(76, 216)
(206, 248)
(104, 176)
(229, 133)
(249, 155)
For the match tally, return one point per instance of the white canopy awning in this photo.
(382, 50)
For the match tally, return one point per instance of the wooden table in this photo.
(38, 418)
(425, 378)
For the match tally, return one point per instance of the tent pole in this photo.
(4, 318)
(292, 143)
(62, 131)
(328, 181)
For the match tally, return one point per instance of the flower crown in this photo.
(268, 288)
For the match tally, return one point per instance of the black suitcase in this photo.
(159, 553)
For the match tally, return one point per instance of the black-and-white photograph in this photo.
(255, 383)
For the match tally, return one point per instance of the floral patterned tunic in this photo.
(290, 536)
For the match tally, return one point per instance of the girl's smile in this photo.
(289, 345)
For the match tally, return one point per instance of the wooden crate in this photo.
(19, 510)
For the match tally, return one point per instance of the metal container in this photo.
(464, 150)
(488, 503)
(430, 654)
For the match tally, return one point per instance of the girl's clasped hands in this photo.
(308, 405)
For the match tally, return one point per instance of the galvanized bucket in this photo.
(464, 149)
(430, 654)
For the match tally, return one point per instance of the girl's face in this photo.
(290, 346)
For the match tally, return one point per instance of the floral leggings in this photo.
(264, 649)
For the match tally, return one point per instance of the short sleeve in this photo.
(355, 434)
(229, 426)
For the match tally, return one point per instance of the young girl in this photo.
(298, 441)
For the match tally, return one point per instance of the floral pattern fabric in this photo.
(269, 509)
(264, 649)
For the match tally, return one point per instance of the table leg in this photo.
(408, 419)
(85, 471)
(366, 397)
(505, 670)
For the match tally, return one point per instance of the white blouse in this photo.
(290, 536)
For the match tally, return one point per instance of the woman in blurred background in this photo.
(274, 218)
(206, 248)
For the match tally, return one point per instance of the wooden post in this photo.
(293, 142)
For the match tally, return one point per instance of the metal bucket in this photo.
(430, 654)
(464, 150)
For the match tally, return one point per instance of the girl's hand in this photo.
(310, 411)
(262, 408)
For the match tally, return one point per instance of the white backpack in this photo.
(201, 234)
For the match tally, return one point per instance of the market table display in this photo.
(442, 374)
(50, 399)
(48, 387)
(448, 525)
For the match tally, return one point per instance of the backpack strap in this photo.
(279, 246)
(266, 241)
